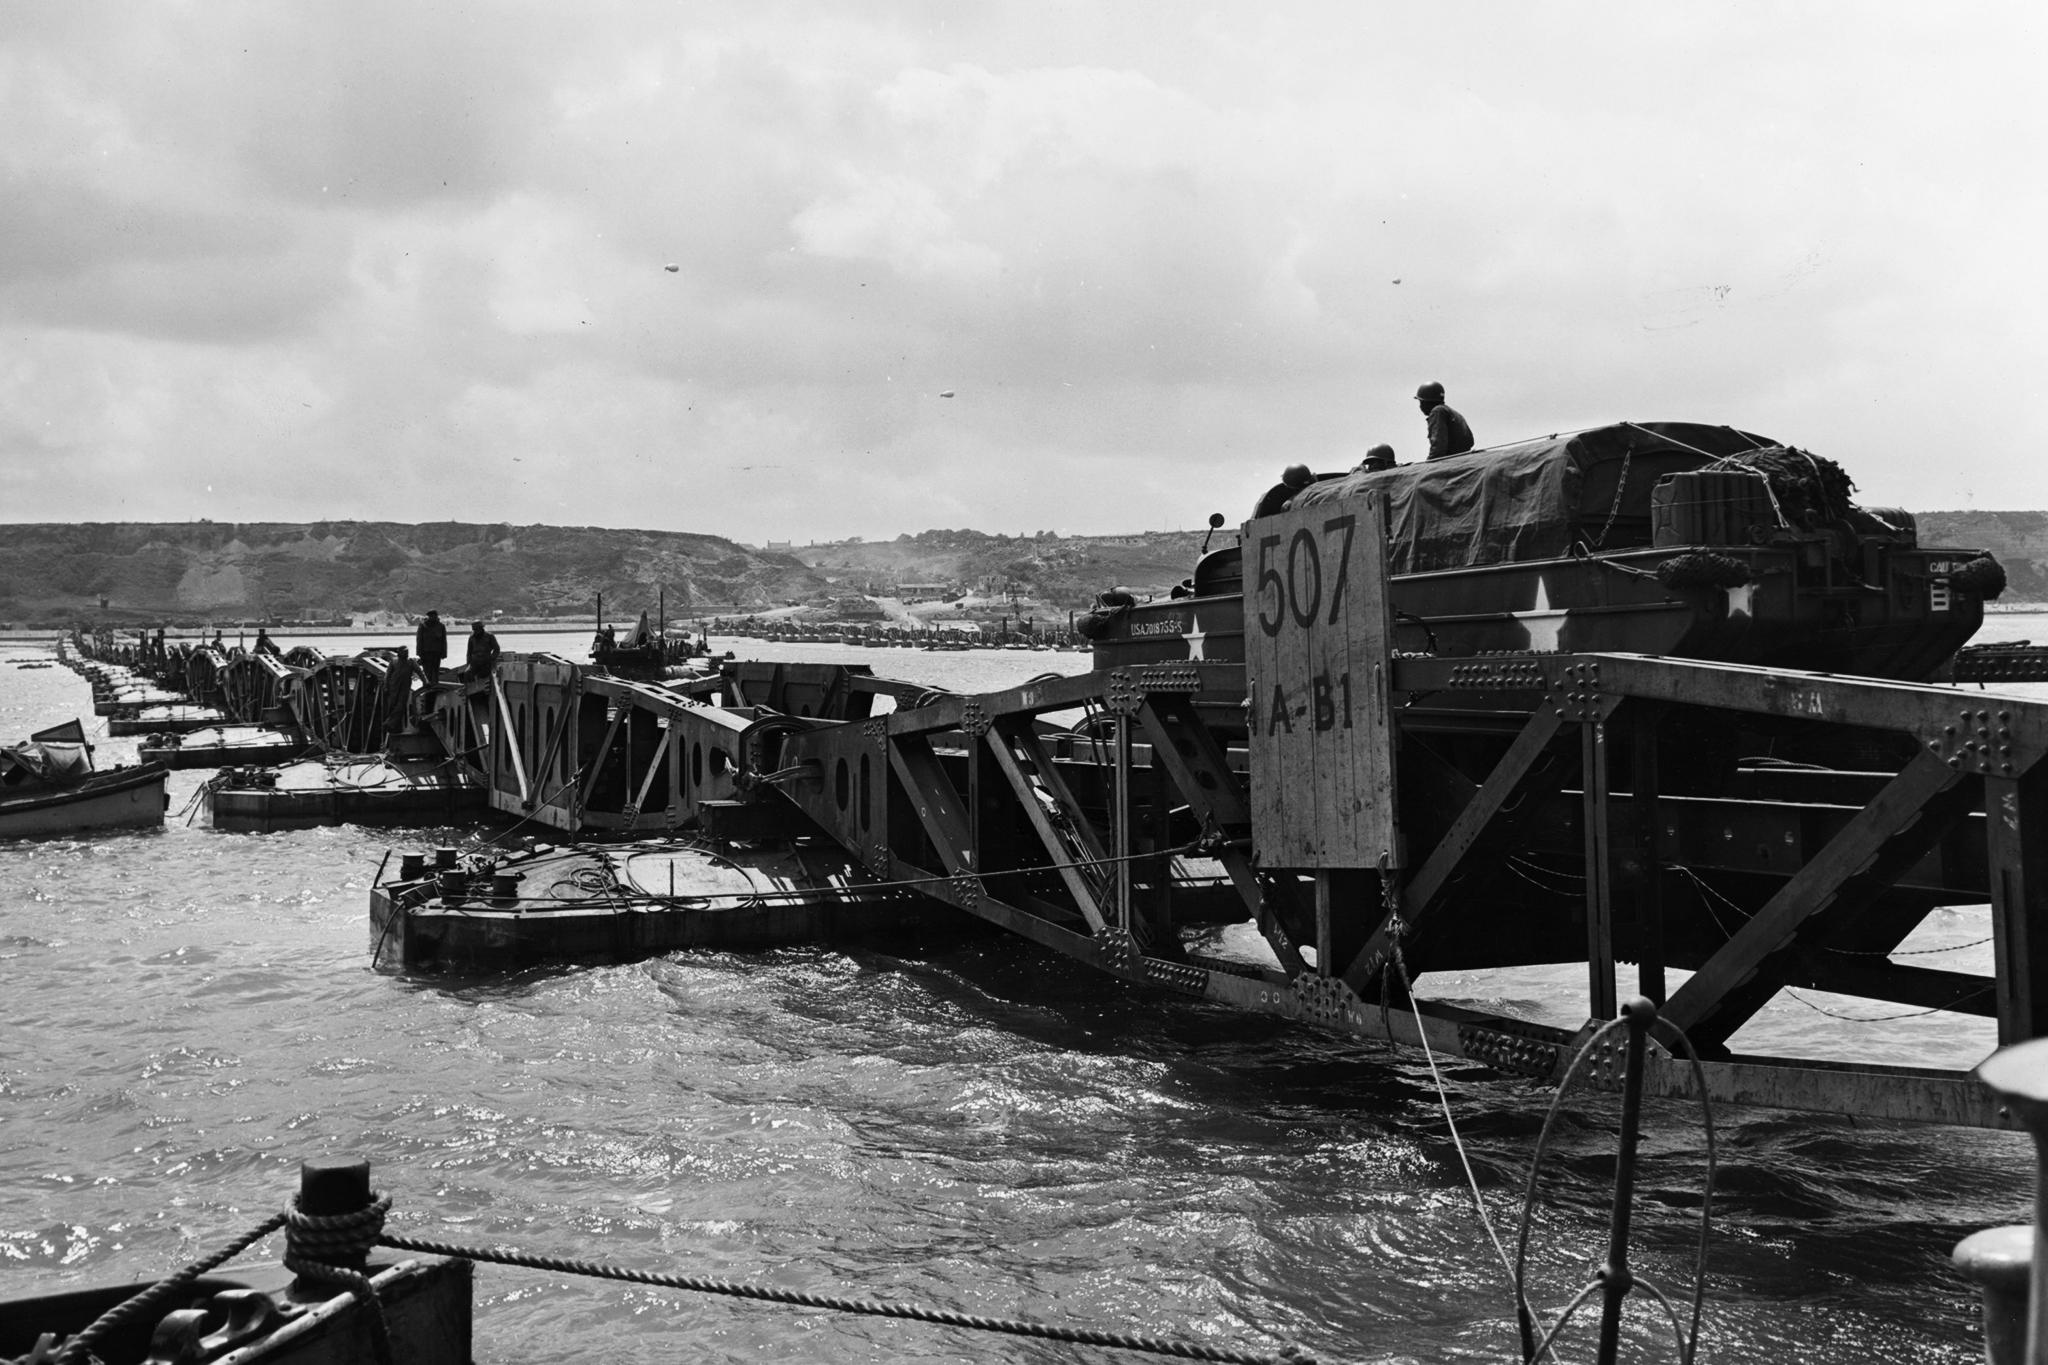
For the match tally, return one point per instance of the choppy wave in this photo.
(189, 1014)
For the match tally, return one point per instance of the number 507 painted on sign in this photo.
(1291, 599)
(1322, 760)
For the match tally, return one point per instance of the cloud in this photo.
(898, 222)
(347, 260)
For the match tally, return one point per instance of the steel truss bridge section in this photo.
(1676, 809)
(1089, 840)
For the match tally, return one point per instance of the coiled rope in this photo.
(944, 1317)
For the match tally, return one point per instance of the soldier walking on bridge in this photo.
(430, 642)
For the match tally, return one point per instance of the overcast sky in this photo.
(410, 261)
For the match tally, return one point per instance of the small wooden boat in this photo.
(49, 786)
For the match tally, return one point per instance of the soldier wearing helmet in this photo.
(1293, 479)
(1448, 432)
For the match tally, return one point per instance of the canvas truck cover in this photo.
(56, 757)
(1534, 499)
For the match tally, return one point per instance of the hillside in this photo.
(1069, 571)
(1063, 572)
(199, 571)
(2019, 539)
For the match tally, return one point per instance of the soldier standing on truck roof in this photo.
(1448, 432)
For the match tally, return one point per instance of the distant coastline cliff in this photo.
(323, 570)
(206, 571)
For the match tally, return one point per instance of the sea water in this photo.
(186, 1014)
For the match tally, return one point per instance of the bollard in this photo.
(452, 883)
(2000, 1261)
(329, 1187)
(411, 866)
(444, 858)
(2018, 1075)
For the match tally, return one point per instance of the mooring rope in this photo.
(944, 1317)
(1534, 1348)
(314, 1244)
(77, 1349)
(1457, 1141)
(1688, 1345)
(312, 1247)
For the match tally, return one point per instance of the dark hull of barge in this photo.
(590, 905)
(224, 746)
(364, 791)
(165, 720)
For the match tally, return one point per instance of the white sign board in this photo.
(1317, 638)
